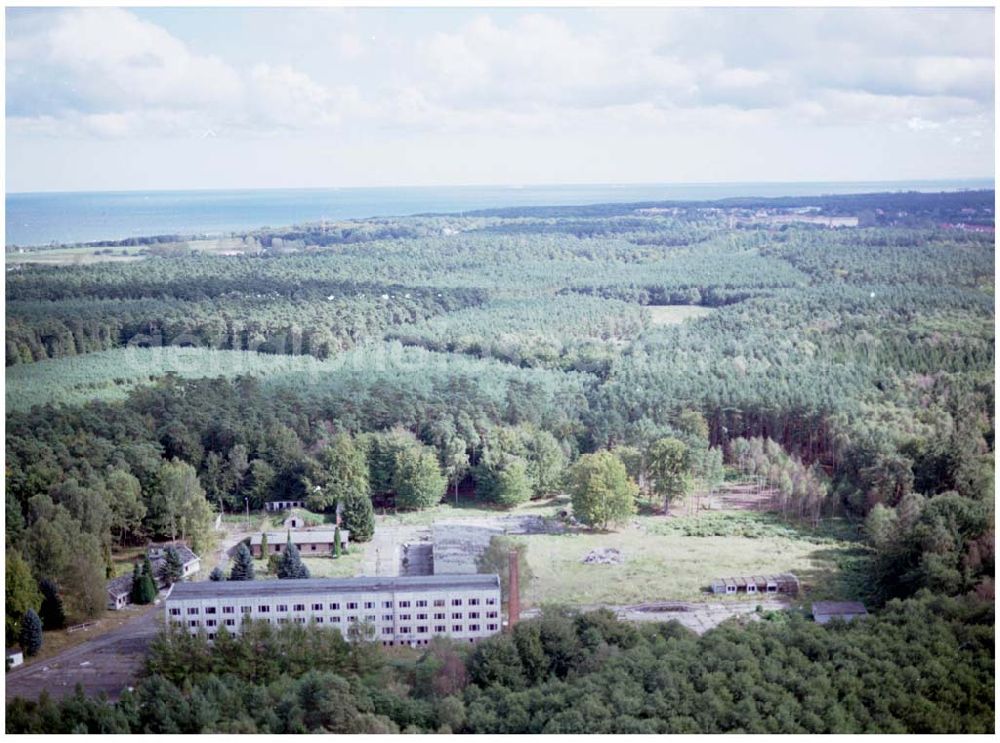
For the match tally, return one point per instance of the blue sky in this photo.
(150, 98)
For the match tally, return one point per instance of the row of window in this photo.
(354, 618)
(421, 630)
(335, 606)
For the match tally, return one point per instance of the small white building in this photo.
(14, 657)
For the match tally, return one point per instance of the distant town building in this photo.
(847, 611)
(284, 505)
(754, 584)
(393, 611)
(14, 657)
(309, 541)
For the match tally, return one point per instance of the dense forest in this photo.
(852, 369)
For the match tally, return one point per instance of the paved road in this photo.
(106, 664)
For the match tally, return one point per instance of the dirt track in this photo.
(108, 663)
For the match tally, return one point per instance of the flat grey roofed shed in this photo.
(279, 587)
(825, 611)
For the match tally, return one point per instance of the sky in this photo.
(187, 98)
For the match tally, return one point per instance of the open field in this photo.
(75, 256)
(674, 314)
(469, 509)
(663, 562)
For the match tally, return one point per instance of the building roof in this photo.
(183, 551)
(120, 586)
(255, 588)
(824, 611)
(301, 536)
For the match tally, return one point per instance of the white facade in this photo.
(402, 610)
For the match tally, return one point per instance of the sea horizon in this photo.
(39, 218)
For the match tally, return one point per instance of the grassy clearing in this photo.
(469, 509)
(123, 561)
(276, 520)
(75, 256)
(674, 314)
(666, 560)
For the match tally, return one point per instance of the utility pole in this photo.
(247, 502)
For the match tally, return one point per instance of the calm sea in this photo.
(44, 218)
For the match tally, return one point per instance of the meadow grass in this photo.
(673, 314)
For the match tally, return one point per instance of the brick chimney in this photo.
(514, 597)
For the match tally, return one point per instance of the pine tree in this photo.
(263, 546)
(31, 633)
(217, 574)
(336, 541)
(52, 613)
(359, 517)
(242, 564)
(173, 568)
(143, 587)
(290, 565)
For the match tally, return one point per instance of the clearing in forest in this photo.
(674, 314)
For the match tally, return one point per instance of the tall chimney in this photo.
(514, 597)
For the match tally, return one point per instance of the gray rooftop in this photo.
(209, 589)
(824, 611)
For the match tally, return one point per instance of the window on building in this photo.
(456, 602)
(386, 604)
(352, 619)
(387, 617)
(317, 607)
(210, 622)
(440, 616)
(440, 628)
(473, 628)
(210, 610)
(230, 622)
(300, 620)
(491, 615)
(192, 610)
(473, 602)
(457, 615)
(369, 604)
(193, 623)
(281, 607)
(177, 622)
(404, 630)
(438, 602)
(352, 604)
(404, 604)
(312, 547)
(228, 609)
(473, 615)
(175, 612)
(421, 602)
(491, 627)
(456, 628)
(421, 616)
(491, 602)
(370, 618)
(319, 620)
(335, 620)
(421, 630)
(404, 617)
(334, 607)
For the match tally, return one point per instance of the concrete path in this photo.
(699, 616)
(107, 663)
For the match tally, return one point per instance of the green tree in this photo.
(345, 471)
(52, 613)
(217, 574)
(602, 492)
(143, 587)
(358, 517)
(417, 479)
(336, 541)
(505, 483)
(290, 564)
(173, 567)
(242, 568)
(20, 593)
(31, 633)
(262, 478)
(669, 468)
(263, 546)
(125, 499)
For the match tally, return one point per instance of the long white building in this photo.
(403, 610)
